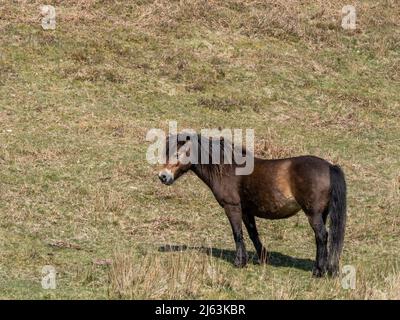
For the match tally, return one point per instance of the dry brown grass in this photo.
(180, 276)
(269, 147)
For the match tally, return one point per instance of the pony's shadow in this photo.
(275, 259)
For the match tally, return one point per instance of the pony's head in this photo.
(177, 158)
(213, 156)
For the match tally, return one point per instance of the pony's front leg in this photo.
(234, 213)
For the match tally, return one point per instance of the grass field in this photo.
(76, 103)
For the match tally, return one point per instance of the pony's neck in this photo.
(204, 174)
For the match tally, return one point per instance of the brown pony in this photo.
(276, 189)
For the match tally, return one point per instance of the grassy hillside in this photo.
(77, 193)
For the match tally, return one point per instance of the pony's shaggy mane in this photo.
(205, 146)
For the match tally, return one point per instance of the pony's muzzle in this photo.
(166, 177)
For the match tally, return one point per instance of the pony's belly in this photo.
(283, 209)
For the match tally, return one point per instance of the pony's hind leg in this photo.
(317, 222)
(250, 223)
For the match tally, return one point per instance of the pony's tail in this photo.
(337, 216)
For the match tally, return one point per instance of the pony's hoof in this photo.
(333, 271)
(240, 262)
(318, 272)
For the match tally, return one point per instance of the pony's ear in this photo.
(185, 151)
(186, 133)
(188, 145)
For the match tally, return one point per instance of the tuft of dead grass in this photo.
(183, 275)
